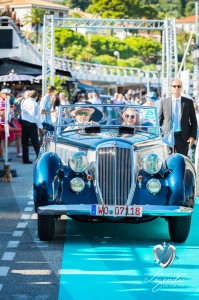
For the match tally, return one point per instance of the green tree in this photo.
(148, 12)
(107, 60)
(86, 54)
(108, 45)
(170, 8)
(35, 18)
(135, 62)
(144, 47)
(73, 51)
(64, 38)
(82, 4)
(117, 9)
(190, 8)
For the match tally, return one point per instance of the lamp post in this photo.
(141, 76)
(117, 54)
(159, 69)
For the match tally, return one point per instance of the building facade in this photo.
(24, 7)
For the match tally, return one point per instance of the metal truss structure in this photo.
(169, 44)
(48, 53)
(109, 24)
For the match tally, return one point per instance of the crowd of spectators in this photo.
(10, 12)
(130, 97)
(44, 111)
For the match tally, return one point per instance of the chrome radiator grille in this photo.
(114, 174)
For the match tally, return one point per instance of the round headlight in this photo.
(77, 185)
(78, 162)
(153, 186)
(152, 164)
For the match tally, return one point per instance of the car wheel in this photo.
(179, 228)
(46, 227)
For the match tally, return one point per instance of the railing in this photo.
(99, 72)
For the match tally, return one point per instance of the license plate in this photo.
(116, 210)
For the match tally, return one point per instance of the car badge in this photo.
(164, 255)
(114, 144)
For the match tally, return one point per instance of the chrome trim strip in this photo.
(147, 210)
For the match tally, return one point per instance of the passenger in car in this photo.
(130, 117)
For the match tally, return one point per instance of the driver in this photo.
(85, 115)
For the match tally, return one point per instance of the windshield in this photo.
(92, 119)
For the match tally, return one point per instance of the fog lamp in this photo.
(153, 186)
(77, 185)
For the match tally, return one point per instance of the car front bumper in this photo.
(85, 210)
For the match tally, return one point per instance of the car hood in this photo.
(92, 142)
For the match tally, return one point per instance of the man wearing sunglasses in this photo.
(177, 112)
(84, 115)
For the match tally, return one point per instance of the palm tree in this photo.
(35, 18)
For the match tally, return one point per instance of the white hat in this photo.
(73, 112)
(6, 91)
(96, 114)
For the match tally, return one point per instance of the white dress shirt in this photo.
(30, 112)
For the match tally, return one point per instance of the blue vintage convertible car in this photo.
(108, 163)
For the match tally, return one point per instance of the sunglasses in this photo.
(82, 113)
(176, 86)
(129, 116)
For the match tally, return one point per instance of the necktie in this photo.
(176, 117)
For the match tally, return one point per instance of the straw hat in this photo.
(90, 110)
(96, 114)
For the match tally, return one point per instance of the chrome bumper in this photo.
(147, 210)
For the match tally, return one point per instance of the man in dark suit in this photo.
(178, 113)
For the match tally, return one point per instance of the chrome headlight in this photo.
(153, 186)
(77, 185)
(152, 164)
(78, 162)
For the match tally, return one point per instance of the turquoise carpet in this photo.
(116, 261)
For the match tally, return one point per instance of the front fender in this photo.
(181, 180)
(44, 174)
